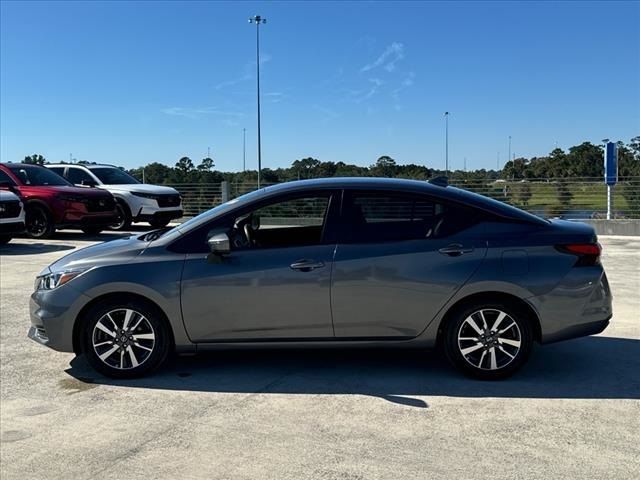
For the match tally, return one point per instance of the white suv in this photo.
(135, 201)
(11, 216)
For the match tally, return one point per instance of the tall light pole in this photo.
(257, 19)
(509, 157)
(244, 149)
(446, 143)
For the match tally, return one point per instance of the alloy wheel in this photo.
(37, 222)
(489, 339)
(123, 339)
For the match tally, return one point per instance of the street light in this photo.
(257, 19)
(446, 143)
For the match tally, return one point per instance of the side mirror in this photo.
(88, 183)
(219, 244)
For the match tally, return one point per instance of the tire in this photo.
(159, 223)
(38, 222)
(4, 240)
(124, 217)
(127, 355)
(481, 354)
(92, 230)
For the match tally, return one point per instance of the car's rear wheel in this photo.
(125, 339)
(38, 222)
(124, 217)
(489, 341)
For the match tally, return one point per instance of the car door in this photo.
(400, 258)
(272, 286)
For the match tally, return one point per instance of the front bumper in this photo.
(53, 314)
(159, 215)
(82, 219)
(10, 228)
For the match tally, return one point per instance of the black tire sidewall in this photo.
(457, 359)
(37, 209)
(158, 322)
(121, 206)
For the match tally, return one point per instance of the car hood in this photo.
(121, 250)
(8, 196)
(142, 188)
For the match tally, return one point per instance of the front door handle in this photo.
(306, 265)
(455, 250)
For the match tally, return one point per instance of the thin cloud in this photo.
(274, 97)
(388, 59)
(190, 112)
(248, 72)
(406, 83)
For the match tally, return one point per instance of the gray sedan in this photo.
(331, 262)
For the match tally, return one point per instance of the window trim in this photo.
(329, 229)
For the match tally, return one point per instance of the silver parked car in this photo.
(331, 262)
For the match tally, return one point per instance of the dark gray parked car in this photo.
(331, 262)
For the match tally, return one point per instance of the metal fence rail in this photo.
(548, 197)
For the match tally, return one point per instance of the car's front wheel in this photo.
(125, 339)
(38, 222)
(488, 341)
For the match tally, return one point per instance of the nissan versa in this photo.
(331, 262)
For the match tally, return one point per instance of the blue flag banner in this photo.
(611, 163)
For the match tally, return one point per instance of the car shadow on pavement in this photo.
(32, 248)
(589, 368)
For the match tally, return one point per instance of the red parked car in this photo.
(51, 202)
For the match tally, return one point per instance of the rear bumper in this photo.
(580, 305)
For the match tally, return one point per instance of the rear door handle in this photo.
(455, 250)
(306, 265)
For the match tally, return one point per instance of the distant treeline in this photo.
(584, 160)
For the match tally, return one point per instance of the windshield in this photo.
(113, 176)
(37, 176)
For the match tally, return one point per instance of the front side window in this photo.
(37, 176)
(78, 176)
(296, 220)
(293, 222)
(113, 176)
(382, 217)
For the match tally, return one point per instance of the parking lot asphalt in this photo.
(572, 412)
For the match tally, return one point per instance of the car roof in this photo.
(85, 165)
(411, 186)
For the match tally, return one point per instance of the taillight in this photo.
(588, 253)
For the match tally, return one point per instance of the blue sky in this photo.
(134, 82)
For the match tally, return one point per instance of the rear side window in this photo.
(382, 217)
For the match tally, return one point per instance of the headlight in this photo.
(145, 195)
(57, 279)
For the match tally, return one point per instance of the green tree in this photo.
(35, 159)
(206, 165)
(385, 166)
(305, 168)
(184, 165)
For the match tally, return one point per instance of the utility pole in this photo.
(257, 19)
(446, 143)
(244, 149)
(465, 164)
(509, 157)
(208, 152)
